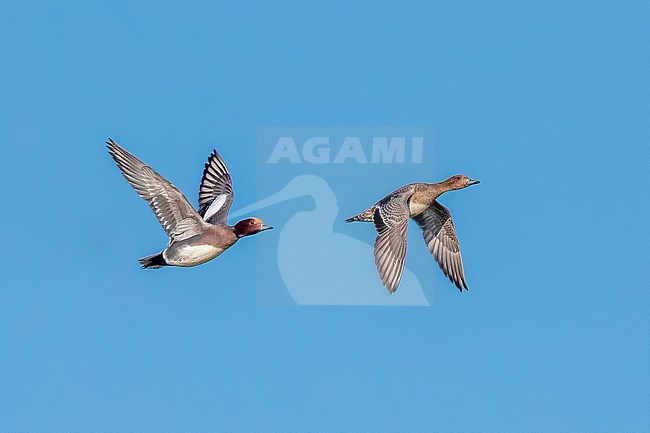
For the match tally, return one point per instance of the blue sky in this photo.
(546, 103)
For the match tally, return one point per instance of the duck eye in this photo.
(251, 222)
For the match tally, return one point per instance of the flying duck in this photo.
(195, 237)
(390, 216)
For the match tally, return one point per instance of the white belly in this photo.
(416, 208)
(191, 255)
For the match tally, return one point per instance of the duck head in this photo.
(250, 226)
(460, 181)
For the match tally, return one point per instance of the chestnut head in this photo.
(250, 226)
(460, 181)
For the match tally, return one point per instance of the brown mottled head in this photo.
(459, 181)
(250, 226)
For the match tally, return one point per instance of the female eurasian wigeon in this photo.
(195, 237)
(418, 201)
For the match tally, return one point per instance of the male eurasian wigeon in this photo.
(418, 201)
(195, 237)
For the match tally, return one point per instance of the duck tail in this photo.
(365, 216)
(155, 261)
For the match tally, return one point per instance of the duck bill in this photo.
(265, 227)
(473, 182)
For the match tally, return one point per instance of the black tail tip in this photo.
(155, 261)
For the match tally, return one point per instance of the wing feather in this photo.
(176, 215)
(215, 193)
(440, 237)
(391, 219)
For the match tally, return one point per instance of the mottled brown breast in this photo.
(423, 197)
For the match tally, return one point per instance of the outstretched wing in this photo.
(391, 219)
(438, 231)
(215, 194)
(176, 215)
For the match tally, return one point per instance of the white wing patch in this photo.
(215, 206)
